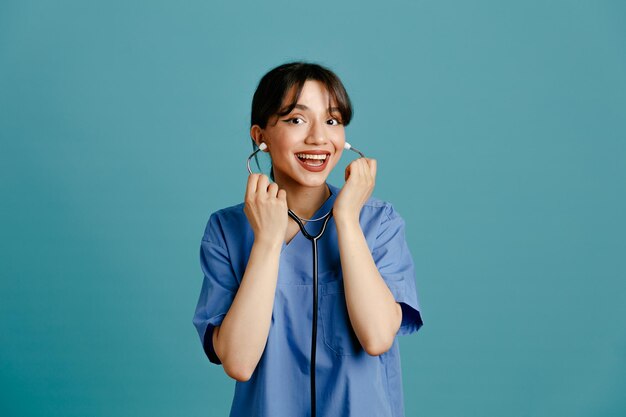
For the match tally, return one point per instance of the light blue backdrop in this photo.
(500, 132)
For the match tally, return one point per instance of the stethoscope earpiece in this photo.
(347, 146)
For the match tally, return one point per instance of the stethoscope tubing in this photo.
(313, 240)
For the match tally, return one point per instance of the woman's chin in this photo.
(312, 180)
(307, 181)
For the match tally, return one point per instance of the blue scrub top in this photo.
(349, 382)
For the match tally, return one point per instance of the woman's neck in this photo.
(305, 201)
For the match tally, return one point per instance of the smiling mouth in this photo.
(313, 160)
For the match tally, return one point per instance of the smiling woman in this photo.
(306, 133)
(279, 94)
(254, 311)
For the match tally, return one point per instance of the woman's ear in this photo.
(256, 133)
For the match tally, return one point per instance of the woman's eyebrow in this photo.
(306, 108)
(301, 107)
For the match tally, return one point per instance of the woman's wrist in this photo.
(268, 243)
(346, 220)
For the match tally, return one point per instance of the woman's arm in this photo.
(373, 311)
(240, 340)
(374, 314)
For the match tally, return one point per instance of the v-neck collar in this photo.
(324, 208)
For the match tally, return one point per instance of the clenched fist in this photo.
(266, 209)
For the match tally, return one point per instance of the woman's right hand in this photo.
(266, 209)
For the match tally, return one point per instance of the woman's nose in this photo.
(317, 133)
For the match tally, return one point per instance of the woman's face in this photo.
(306, 144)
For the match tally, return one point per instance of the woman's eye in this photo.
(295, 120)
(333, 122)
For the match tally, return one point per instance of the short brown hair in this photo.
(274, 85)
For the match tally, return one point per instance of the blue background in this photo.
(500, 134)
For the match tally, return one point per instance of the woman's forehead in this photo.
(309, 88)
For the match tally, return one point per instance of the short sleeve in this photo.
(395, 264)
(219, 287)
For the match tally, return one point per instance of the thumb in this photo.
(347, 173)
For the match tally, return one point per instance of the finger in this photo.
(373, 167)
(363, 168)
(272, 190)
(282, 195)
(251, 186)
(261, 187)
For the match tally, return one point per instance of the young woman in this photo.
(255, 310)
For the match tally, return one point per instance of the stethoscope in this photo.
(313, 239)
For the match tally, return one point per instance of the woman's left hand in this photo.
(360, 180)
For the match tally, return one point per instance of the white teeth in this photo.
(311, 156)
